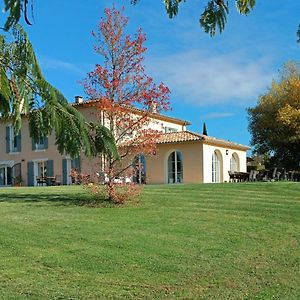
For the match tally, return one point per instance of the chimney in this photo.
(153, 108)
(78, 99)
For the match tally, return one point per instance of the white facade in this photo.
(225, 155)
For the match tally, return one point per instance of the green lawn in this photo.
(222, 241)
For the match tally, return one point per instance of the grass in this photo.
(222, 241)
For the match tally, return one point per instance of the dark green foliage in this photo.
(215, 12)
(15, 9)
(214, 16)
(204, 129)
(172, 7)
(245, 6)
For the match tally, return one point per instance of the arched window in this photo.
(175, 167)
(234, 163)
(216, 167)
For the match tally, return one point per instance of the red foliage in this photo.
(129, 98)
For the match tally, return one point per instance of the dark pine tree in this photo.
(204, 129)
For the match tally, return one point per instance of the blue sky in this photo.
(212, 80)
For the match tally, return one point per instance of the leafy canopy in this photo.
(275, 120)
(128, 96)
(215, 12)
(214, 15)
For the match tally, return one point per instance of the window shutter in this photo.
(7, 139)
(19, 142)
(50, 171)
(33, 144)
(64, 171)
(46, 142)
(30, 173)
(76, 164)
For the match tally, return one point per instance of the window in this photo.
(40, 144)
(234, 163)
(41, 169)
(175, 167)
(14, 144)
(13, 140)
(170, 129)
(216, 167)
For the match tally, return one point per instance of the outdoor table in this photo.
(242, 176)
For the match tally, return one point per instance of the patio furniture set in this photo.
(275, 174)
(48, 180)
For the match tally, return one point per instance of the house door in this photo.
(5, 176)
(175, 167)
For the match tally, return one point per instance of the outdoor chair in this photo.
(232, 176)
(255, 173)
(40, 180)
(253, 176)
(128, 180)
(297, 176)
(238, 176)
(50, 180)
(275, 175)
(284, 174)
(102, 177)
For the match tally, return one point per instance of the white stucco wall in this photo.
(161, 124)
(208, 151)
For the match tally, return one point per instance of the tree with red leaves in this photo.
(128, 97)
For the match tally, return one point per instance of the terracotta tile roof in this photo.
(181, 136)
(134, 109)
(187, 136)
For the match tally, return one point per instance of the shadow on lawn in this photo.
(55, 198)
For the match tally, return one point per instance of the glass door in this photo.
(5, 176)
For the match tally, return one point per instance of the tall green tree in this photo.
(204, 131)
(274, 122)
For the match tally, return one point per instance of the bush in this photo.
(115, 193)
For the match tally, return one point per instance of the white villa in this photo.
(182, 156)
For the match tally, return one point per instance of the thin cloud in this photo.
(218, 115)
(49, 63)
(205, 79)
